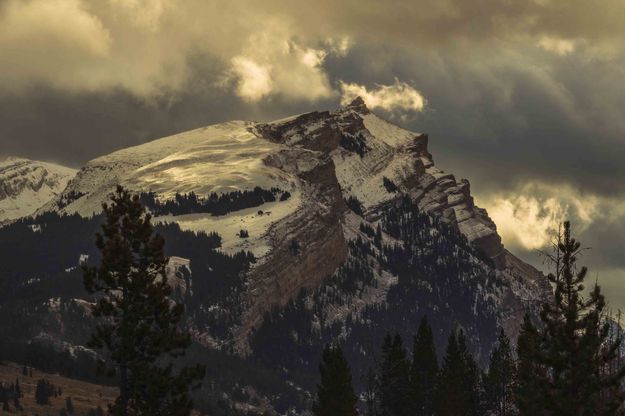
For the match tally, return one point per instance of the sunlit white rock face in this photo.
(26, 185)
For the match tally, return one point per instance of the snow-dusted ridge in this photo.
(322, 159)
(219, 158)
(26, 185)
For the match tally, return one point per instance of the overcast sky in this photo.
(525, 98)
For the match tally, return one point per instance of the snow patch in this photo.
(228, 226)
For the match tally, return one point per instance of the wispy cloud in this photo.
(399, 96)
(528, 216)
(274, 64)
(556, 45)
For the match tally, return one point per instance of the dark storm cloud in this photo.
(504, 119)
(603, 255)
(438, 22)
(517, 91)
(131, 71)
(73, 127)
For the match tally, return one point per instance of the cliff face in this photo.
(308, 246)
(366, 152)
(388, 152)
(366, 149)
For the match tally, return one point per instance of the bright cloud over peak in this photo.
(529, 217)
(399, 96)
(274, 64)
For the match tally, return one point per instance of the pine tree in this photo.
(69, 405)
(335, 394)
(138, 320)
(18, 390)
(424, 370)
(458, 383)
(499, 381)
(39, 395)
(574, 342)
(99, 411)
(371, 387)
(43, 391)
(394, 395)
(530, 374)
(4, 396)
(471, 375)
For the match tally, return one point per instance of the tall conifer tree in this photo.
(335, 394)
(424, 370)
(499, 380)
(394, 393)
(574, 343)
(138, 320)
(530, 375)
(458, 383)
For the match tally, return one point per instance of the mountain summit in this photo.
(321, 227)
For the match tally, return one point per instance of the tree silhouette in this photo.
(138, 320)
(335, 394)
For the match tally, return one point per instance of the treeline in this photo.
(567, 363)
(215, 204)
(438, 274)
(409, 384)
(47, 357)
(60, 243)
(11, 393)
(11, 396)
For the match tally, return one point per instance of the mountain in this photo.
(321, 227)
(27, 185)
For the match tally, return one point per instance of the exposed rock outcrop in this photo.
(26, 185)
(308, 246)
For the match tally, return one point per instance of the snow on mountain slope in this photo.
(27, 185)
(363, 175)
(322, 159)
(228, 226)
(220, 158)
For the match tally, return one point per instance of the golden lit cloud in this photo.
(253, 80)
(398, 96)
(529, 216)
(526, 221)
(274, 64)
(143, 13)
(76, 46)
(144, 46)
(558, 46)
(52, 41)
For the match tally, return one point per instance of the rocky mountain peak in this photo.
(282, 237)
(331, 175)
(358, 105)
